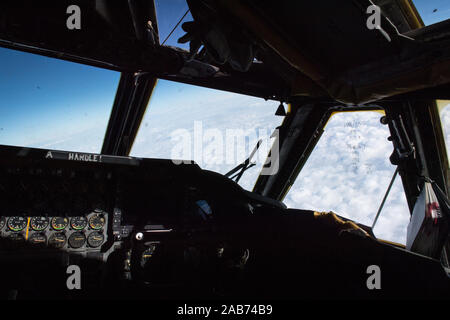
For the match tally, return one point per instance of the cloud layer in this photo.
(348, 172)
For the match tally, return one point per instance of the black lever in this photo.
(243, 166)
(403, 147)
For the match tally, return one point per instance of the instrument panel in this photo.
(83, 232)
(74, 205)
(116, 218)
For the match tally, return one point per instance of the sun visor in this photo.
(424, 76)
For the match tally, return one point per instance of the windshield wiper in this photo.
(244, 166)
(385, 197)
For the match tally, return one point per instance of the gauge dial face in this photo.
(78, 223)
(97, 221)
(77, 240)
(38, 239)
(57, 240)
(2, 222)
(59, 223)
(95, 239)
(39, 223)
(17, 223)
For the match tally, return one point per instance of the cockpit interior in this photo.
(146, 228)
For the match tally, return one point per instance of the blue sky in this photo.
(169, 12)
(82, 97)
(427, 11)
(42, 98)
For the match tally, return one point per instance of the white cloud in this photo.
(348, 172)
(218, 112)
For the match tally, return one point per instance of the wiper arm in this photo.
(244, 166)
(385, 197)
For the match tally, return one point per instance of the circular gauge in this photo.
(38, 239)
(2, 222)
(57, 240)
(95, 239)
(39, 223)
(59, 223)
(97, 221)
(77, 240)
(17, 223)
(78, 223)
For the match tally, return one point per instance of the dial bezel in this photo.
(36, 234)
(75, 220)
(92, 234)
(53, 236)
(24, 219)
(94, 226)
(76, 234)
(59, 229)
(46, 222)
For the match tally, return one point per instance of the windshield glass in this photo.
(433, 11)
(216, 129)
(53, 104)
(169, 13)
(349, 172)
